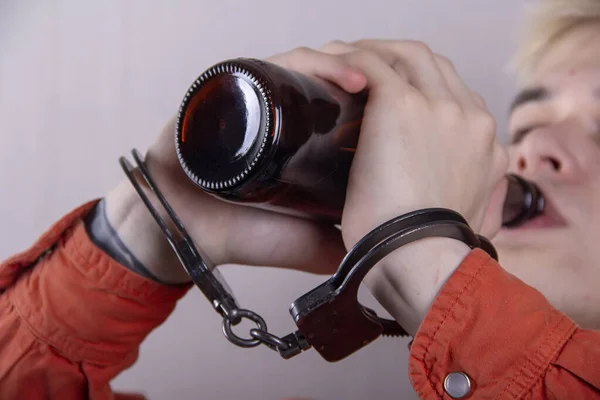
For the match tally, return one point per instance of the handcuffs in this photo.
(329, 318)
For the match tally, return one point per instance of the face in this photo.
(555, 142)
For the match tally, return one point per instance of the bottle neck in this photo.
(524, 201)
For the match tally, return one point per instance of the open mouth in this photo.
(548, 218)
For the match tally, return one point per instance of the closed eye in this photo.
(520, 134)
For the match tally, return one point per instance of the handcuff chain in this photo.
(259, 335)
(200, 272)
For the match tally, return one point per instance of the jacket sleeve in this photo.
(71, 318)
(501, 338)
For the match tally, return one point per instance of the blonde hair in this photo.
(548, 22)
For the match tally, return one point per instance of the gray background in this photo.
(81, 82)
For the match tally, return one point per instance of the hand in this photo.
(426, 141)
(230, 233)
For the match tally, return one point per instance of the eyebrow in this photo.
(530, 95)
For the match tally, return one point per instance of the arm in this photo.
(74, 318)
(501, 333)
(71, 308)
(427, 141)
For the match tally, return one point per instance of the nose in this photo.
(544, 152)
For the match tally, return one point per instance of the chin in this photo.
(545, 261)
(550, 238)
(562, 275)
(531, 254)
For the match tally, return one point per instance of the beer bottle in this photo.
(250, 131)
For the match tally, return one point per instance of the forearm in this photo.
(140, 234)
(406, 282)
(504, 336)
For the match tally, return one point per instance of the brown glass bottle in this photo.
(250, 131)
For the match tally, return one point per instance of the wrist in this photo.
(408, 280)
(139, 232)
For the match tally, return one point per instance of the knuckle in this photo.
(449, 110)
(409, 99)
(336, 45)
(366, 56)
(364, 42)
(444, 62)
(303, 51)
(337, 42)
(420, 49)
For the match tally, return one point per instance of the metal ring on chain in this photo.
(269, 339)
(241, 314)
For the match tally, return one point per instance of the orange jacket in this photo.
(62, 334)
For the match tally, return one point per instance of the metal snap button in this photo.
(457, 385)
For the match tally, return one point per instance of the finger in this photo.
(379, 74)
(456, 85)
(337, 47)
(416, 60)
(284, 241)
(326, 66)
